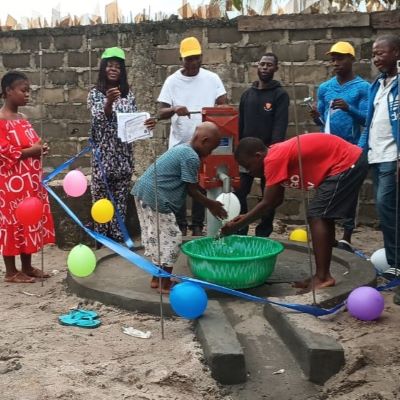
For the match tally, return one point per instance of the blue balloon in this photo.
(188, 300)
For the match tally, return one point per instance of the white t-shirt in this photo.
(194, 93)
(381, 142)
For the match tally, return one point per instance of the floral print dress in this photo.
(115, 157)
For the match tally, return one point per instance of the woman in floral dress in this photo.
(111, 156)
(20, 177)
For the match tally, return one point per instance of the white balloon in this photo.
(231, 204)
(379, 260)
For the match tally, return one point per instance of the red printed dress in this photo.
(19, 179)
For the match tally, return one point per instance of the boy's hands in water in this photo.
(232, 226)
(217, 209)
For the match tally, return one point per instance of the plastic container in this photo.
(237, 262)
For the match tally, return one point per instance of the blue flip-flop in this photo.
(80, 318)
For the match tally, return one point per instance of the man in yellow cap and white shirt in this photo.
(189, 90)
(342, 103)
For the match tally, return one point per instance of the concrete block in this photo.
(68, 42)
(105, 40)
(291, 52)
(266, 37)
(366, 50)
(31, 42)
(68, 111)
(237, 92)
(167, 56)
(352, 32)
(18, 60)
(176, 33)
(302, 113)
(54, 129)
(78, 129)
(224, 35)
(63, 77)
(77, 95)
(52, 96)
(81, 59)
(9, 44)
(34, 77)
(307, 34)
(216, 56)
(300, 90)
(50, 60)
(299, 21)
(242, 55)
(222, 350)
(33, 112)
(65, 148)
(385, 19)
(305, 73)
(319, 356)
(85, 77)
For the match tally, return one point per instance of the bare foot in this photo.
(317, 282)
(35, 273)
(19, 277)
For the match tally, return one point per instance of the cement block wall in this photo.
(231, 49)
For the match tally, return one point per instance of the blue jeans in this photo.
(384, 175)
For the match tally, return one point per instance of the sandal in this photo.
(19, 277)
(36, 273)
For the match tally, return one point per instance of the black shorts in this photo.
(336, 197)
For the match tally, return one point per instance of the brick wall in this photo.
(231, 49)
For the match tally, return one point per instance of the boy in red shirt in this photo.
(332, 166)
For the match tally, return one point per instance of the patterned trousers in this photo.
(170, 235)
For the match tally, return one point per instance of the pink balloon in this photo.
(75, 183)
(365, 303)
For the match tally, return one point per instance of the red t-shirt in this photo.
(322, 154)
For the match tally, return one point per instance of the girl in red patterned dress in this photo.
(20, 177)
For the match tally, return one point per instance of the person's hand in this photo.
(340, 104)
(112, 94)
(314, 113)
(217, 209)
(232, 226)
(181, 111)
(150, 123)
(36, 149)
(45, 149)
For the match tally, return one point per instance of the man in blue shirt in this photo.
(342, 108)
(382, 139)
(177, 176)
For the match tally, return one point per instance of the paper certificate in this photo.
(131, 126)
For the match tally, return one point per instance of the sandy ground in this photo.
(42, 360)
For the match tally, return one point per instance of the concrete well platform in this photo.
(118, 282)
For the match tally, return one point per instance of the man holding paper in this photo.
(182, 98)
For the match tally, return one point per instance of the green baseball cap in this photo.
(113, 52)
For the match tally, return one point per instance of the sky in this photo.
(29, 8)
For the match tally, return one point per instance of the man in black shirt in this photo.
(263, 113)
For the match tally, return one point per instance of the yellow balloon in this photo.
(298, 235)
(102, 211)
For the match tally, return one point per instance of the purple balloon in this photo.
(365, 303)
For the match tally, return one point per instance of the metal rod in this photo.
(158, 239)
(302, 187)
(89, 46)
(41, 155)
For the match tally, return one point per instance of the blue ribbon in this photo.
(154, 270)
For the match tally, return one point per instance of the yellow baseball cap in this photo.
(113, 52)
(190, 47)
(342, 48)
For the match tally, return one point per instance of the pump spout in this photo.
(226, 181)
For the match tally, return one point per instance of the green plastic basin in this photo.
(237, 262)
